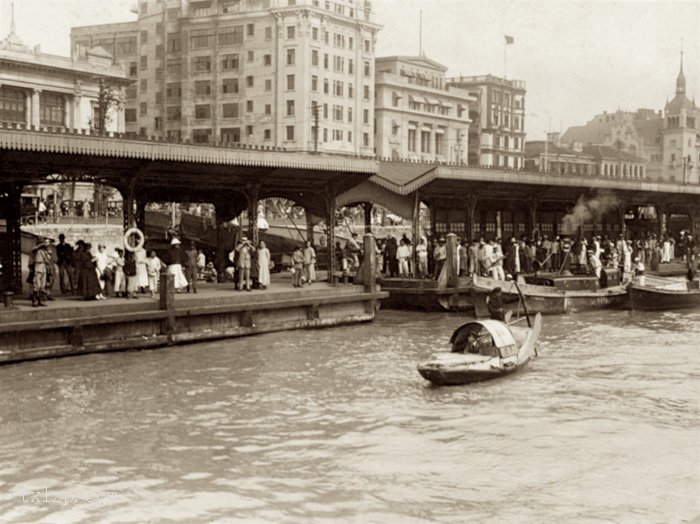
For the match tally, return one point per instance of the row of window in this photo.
(52, 107)
(428, 144)
(517, 122)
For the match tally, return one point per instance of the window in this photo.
(229, 85)
(173, 90)
(290, 132)
(290, 107)
(349, 114)
(325, 110)
(290, 56)
(314, 33)
(143, 86)
(368, 69)
(325, 86)
(349, 136)
(291, 32)
(53, 109)
(173, 114)
(268, 33)
(314, 83)
(268, 109)
(231, 135)
(268, 84)
(130, 115)
(351, 90)
(231, 6)
(314, 57)
(365, 139)
(250, 30)
(338, 64)
(202, 87)
(143, 9)
(202, 111)
(412, 140)
(201, 39)
(130, 92)
(366, 92)
(144, 36)
(337, 88)
(365, 116)
(159, 74)
(351, 42)
(325, 61)
(125, 47)
(268, 134)
(249, 106)
(230, 110)
(249, 132)
(250, 81)
(351, 66)
(267, 60)
(133, 69)
(202, 64)
(425, 141)
(251, 56)
(338, 113)
(144, 62)
(229, 62)
(368, 46)
(174, 135)
(290, 82)
(143, 109)
(201, 136)
(325, 134)
(231, 36)
(173, 14)
(173, 67)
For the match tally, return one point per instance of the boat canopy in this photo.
(502, 337)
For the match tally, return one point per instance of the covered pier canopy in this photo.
(464, 199)
(233, 178)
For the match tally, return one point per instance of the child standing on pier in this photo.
(153, 267)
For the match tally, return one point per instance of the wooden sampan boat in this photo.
(678, 295)
(483, 350)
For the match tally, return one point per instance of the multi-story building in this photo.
(43, 90)
(550, 156)
(497, 135)
(666, 139)
(418, 116)
(297, 74)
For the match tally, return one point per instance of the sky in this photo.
(578, 58)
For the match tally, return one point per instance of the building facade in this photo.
(497, 133)
(667, 140)
(418, 116)
(297, 74)
(552, 157)
(42, 90)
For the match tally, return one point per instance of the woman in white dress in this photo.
(666, 251)
(140, 257)
(101, 261)
(263, 266)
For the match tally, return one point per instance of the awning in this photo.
(418, 99)
(446, 104)
(433, 101)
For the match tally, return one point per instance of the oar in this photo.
(527, 314)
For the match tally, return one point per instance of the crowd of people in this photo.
(496, 259)
(93, 273)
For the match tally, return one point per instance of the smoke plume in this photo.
(589, 210)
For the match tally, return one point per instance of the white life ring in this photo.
(139, 242)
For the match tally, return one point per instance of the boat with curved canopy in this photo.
(483, 350)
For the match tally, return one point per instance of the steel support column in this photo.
(330, 220)
(253, 233)
(12, 249)
(367, 209)
(415, 231)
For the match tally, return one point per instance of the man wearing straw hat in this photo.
(42, 261)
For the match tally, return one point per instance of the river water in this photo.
(336, 425)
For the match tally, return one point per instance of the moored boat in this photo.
(678, 295)
(550, 299)
(483, 350)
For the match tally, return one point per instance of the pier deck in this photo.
(70, 326)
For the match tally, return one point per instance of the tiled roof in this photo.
(609, 153)
(404, 177)
(591, 133)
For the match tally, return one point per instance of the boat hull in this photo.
(656, 299)
(551, 301)
(453, 377)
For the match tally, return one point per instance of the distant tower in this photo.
(680, 145)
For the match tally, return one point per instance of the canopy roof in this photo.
(502, 337)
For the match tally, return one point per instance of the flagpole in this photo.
(505, 60)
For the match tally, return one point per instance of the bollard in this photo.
(167, 303)
(8, 299)
(369, 266)
(451, 265)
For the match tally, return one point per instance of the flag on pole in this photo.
(509, 39)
